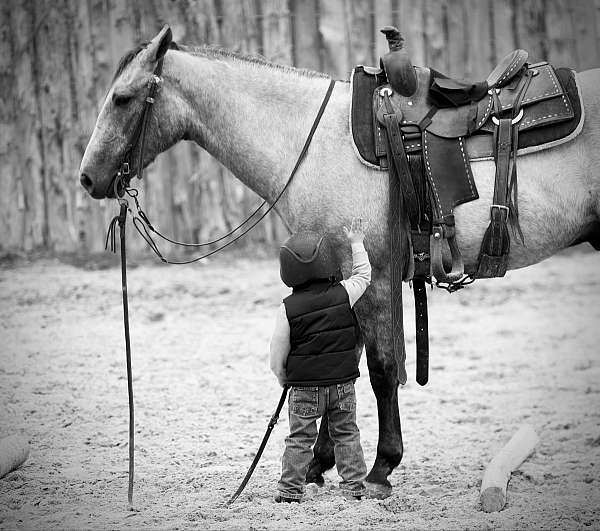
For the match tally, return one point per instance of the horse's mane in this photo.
(215, 52)
(218, 52)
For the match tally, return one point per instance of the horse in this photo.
(254, 117)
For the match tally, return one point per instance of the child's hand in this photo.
(356, 232)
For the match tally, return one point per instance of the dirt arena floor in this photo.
(523, 349)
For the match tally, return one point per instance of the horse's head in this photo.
(115, 131)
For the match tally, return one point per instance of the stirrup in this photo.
(457, 270)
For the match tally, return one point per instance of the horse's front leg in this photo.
(375, 313)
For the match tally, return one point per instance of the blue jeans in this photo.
(306, 405)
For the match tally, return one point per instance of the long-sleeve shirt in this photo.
(355, 286)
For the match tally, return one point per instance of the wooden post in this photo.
(13, 453)
(497, 474)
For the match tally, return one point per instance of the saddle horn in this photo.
(397, 65)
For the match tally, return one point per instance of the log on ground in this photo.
(14, 451)
(497, 474)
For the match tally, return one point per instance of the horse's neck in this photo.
(253, 118)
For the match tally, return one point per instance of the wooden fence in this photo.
(57, 58)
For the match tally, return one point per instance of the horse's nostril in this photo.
(86, 182)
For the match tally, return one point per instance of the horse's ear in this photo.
(159, 45)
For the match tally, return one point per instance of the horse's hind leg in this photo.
(383, 372)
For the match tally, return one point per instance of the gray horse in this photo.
(254, 117)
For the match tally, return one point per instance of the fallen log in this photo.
(14, 451)
(497, 474)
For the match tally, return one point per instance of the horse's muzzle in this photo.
(89, 186)
(99, 192)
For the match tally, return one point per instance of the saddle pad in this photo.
(365, 130)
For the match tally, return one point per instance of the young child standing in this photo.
(313, 350)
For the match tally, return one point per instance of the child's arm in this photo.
(280, 345)
(361, 267)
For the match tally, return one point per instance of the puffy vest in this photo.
(323, 335)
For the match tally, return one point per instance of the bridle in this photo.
(120, 181)
(120, 185)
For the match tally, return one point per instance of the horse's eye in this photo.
(121, 99)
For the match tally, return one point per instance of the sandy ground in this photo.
(504, 352)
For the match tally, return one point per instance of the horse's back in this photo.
(588, 83)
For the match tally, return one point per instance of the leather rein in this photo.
(120, 187)
(120, 183)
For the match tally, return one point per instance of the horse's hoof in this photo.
(315, 478)
(314, 473)
(378, 491)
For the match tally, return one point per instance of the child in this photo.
(313, 350)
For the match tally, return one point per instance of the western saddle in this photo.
(422, 121)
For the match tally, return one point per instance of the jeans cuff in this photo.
(360, 491)
(293, 496)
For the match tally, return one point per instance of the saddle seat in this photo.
(443, 134)
(422, 108)
(450, 92)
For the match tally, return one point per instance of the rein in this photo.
(141, 221)
(120, 185)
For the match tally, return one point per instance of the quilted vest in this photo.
(323, 335)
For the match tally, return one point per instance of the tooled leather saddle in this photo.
(424, 128)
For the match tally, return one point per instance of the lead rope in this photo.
(121, 219)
